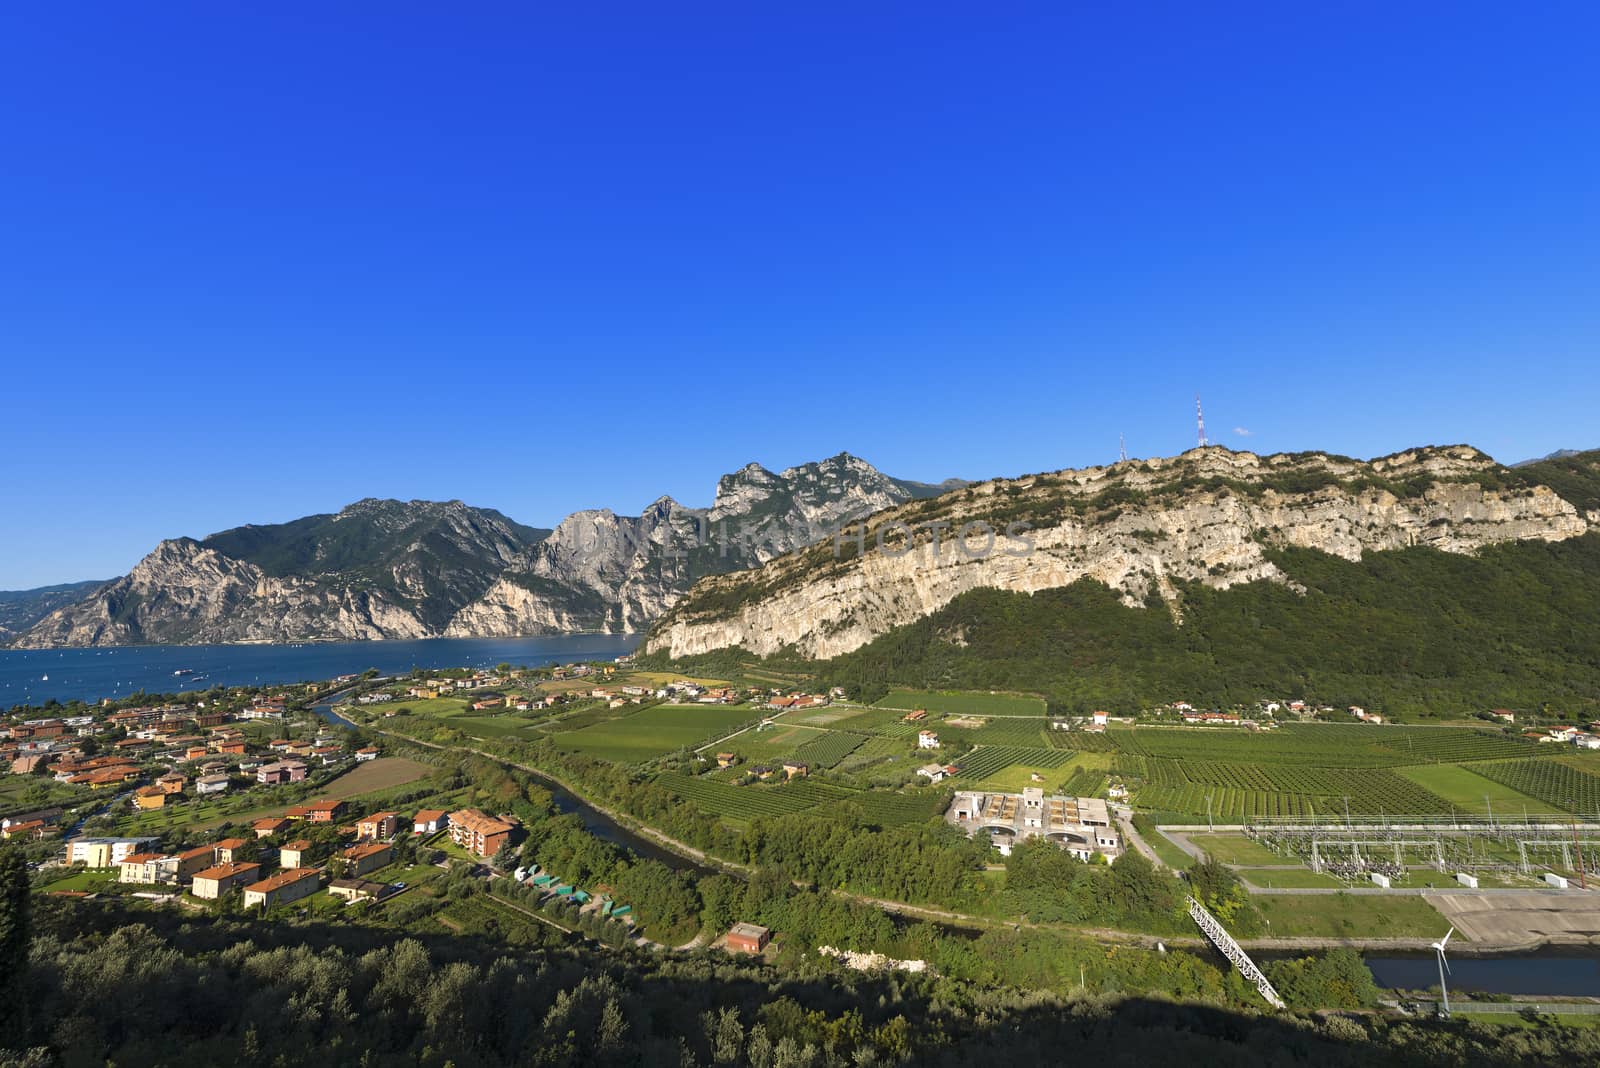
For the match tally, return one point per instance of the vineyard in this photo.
(1370, 790)
(829, 749)
(990, 759)
(1328, 745)
(749, 802)
(1085, 782)
(1552, 782)
(883, 809)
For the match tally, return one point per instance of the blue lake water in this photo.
(32, 676)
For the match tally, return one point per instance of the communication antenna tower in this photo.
(1122, 449)
(1200, 419)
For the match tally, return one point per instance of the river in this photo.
(33, 676)
(1553, 971)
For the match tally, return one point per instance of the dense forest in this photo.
(1413, 631)
(108, 983)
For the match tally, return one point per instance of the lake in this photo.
(33, 676)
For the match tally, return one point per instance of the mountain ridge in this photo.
(1143, 528)
(382, 568)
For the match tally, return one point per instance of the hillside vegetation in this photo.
(1416, 631)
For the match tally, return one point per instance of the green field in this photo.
(1326, 745)
(87, 880)
(749, 802)
(1236, 849)
(777, 742)
(965, 703)
(654, 731)
(1471, 792)
(1350, 916)
(1269, 879)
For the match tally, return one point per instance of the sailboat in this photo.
(45, 679)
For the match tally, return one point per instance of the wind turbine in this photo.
(1438, 949)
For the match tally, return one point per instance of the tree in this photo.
(14, 936)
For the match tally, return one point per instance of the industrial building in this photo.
(1080, 825)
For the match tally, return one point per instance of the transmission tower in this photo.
(1200, 419)
(1122, 449)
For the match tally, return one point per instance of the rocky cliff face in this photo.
(1141, 527)
(599, 571)
(393, 569)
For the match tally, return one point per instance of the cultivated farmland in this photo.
(965, 704)
(655, 731)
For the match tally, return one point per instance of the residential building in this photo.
(207, 785)
(727, 760)
(295, 854)
(282, 888)
(360, 859)
(429, 820)
(281, 771)
(158, 869)
(318, 811)
(380, 826)
(748, 938)
(794, 769)
(268, 826)
(932, 772)
(149, 797)
(481, 834)
(364, 755)
(357, 889)
(213, 882)
(224, 850)
(193, 860)
(105, 852)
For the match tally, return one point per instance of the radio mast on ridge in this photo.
(1122, 449)
(1200, 420)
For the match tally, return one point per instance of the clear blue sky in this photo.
(254, 266)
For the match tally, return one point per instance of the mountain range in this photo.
(1142, 528)
(415, 569)
(1432, 582)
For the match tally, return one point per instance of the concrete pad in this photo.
(1512, 919)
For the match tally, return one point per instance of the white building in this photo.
(927, 740)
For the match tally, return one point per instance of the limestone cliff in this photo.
(1138, 526)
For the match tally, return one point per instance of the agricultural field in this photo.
(749, 802)
(987, 760)
(1471, 792)
(829, 749)
(1554, 782)
(882, 808)
(654, 731)
(374, 775)
(777, 742)
(1026, 732)
(965, 703)
(1367, 790)
(1327, 745)
(876, 750)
